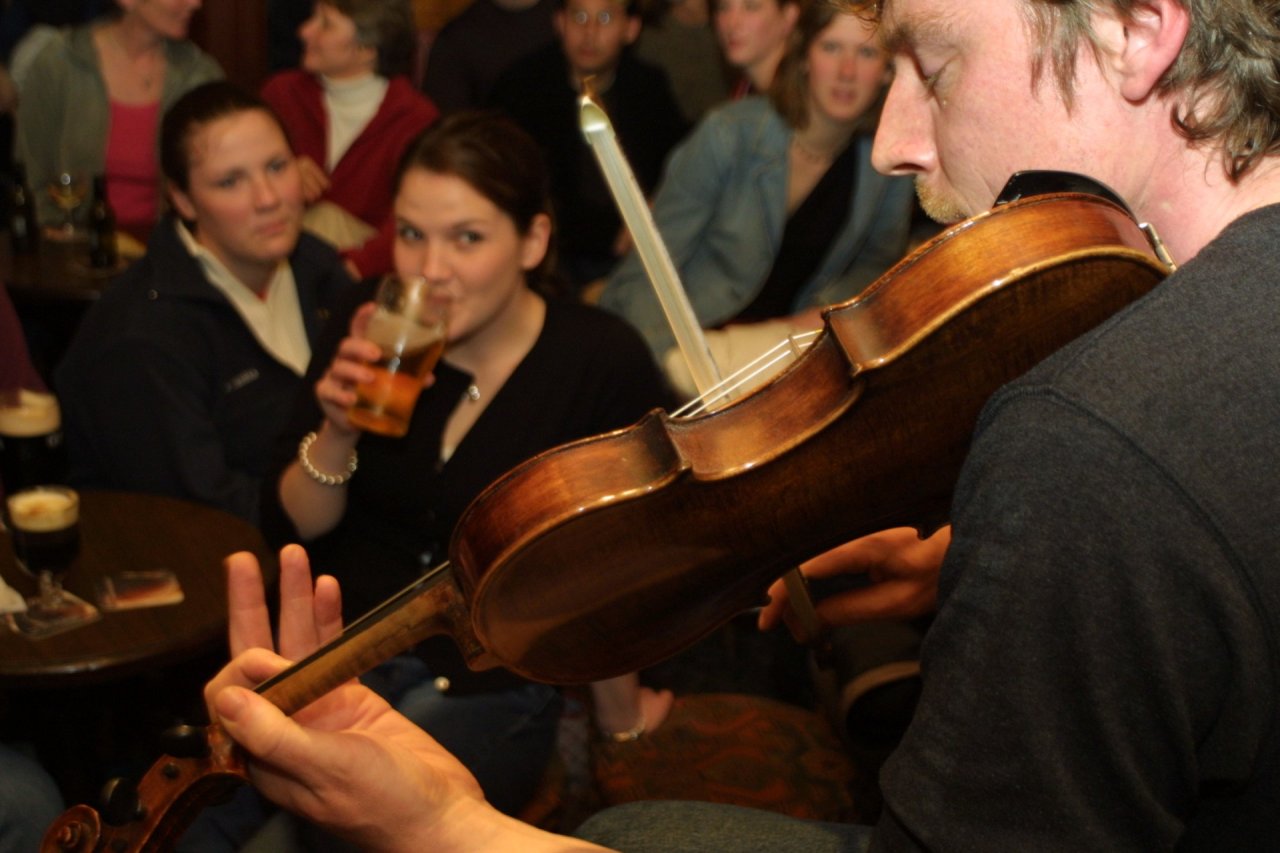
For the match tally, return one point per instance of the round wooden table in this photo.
(123, 531)
(94, 700)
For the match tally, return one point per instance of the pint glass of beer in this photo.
(31, 450)
(409, 323)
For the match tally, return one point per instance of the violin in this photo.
(609, 554)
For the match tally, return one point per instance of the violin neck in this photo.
(429, 606)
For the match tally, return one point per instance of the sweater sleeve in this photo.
(38, 126)
(306, 414)
(1093, 647)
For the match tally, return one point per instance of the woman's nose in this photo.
(434, 263)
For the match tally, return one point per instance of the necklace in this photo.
(152, 59)
(473, 393)
(813, 155)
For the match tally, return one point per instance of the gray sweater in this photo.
(64, 114)
(1103, 673)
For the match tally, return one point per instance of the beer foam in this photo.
(35, 413)
(399, 333)
(44, 510)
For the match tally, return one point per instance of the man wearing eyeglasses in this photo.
(541, 93)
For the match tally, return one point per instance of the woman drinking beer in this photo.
(521, 372)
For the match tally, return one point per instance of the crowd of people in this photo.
(1099, 670)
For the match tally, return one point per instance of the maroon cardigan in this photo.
(361, 181)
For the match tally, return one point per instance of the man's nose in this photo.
(904, 142)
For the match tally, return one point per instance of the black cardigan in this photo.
(588, 373)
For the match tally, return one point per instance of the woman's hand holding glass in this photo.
(351, 365)
(328, 457)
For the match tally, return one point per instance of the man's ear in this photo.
(634, 25)
(1142, 45)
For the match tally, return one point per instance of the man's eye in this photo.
(932, 72)
(931, 81)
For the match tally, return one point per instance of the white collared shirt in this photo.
(275, 318)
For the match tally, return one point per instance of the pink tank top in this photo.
(132, 171)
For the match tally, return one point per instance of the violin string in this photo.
(761, 367)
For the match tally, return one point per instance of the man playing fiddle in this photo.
(1103, 670)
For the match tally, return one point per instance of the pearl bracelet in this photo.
(315, 473)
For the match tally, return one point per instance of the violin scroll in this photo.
(153, 814)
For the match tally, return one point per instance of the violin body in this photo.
(609, 554)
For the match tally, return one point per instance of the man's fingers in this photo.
(249, 622)
(298, 635)
(251, 720)
(245, 670)
(328, 608)
(905, 599)
(859, 556)
(771, 613)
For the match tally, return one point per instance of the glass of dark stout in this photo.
(44, 524)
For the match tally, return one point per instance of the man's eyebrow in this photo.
(908, 34)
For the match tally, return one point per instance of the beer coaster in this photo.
(128, 590)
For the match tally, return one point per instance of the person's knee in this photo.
(29, 802)
(673, 826)
(689, 827)
(629, 827)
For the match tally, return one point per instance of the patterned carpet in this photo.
(744, 730)
(739, 749)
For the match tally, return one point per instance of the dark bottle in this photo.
(102, 227)
(24, 231)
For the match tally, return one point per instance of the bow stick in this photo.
(599, 133)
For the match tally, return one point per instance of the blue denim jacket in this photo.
(721, 210)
